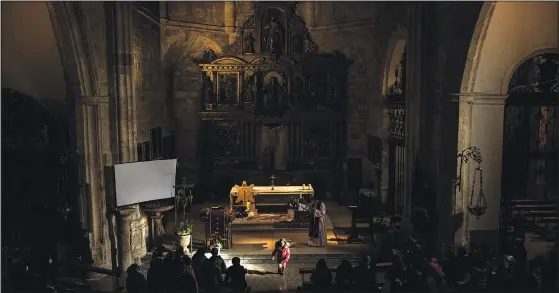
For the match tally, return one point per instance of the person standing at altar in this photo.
(317, 227)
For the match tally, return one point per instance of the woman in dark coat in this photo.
(322, 276)
(135, 281)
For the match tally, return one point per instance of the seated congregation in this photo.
(177, 272)
(412, 269)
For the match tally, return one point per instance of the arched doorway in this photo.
(499, 44)
(530, 136)
(394, 119)
(39, 186)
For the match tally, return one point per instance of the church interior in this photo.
(433, 120)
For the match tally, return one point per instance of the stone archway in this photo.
(393, 154)
(39, 175)
(500, 43)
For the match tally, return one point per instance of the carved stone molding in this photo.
(482, 98)
(93, 100)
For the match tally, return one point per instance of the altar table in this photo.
(279, 195)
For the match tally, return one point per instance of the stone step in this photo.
(296, 258)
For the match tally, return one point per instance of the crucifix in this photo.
(273, 181)
(182, 198)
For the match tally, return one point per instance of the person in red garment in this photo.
(281, 253)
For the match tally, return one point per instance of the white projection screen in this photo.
(145, 181)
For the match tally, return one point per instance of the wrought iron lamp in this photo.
(479, 207)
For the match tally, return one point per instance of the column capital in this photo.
(98, 100)
(126, 213)
(481, 98)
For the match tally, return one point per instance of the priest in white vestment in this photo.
(317, 226)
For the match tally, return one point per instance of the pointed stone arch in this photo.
(393, 121)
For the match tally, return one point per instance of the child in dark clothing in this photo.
(235, 276)
(321, 277)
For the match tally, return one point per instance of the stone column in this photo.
(158, 228)
(307, 13)
(93, 141)
(124, 237)
(414, 88)
(125, 87)
(481, 123)
(230, 15)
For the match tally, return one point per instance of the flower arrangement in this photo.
(185, 228)
(216, 240)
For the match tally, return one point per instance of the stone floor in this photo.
(254, 249)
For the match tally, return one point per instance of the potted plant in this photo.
(183, 234)
(217, 241)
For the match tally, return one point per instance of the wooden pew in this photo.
(520, 208)
(533, 201)
(541, 214)
(549, 220)
(306, 271)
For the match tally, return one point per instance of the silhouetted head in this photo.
(158, 253)
(236, 261)
(321, 264)
(461, 251)
(201, 251)
(186, 260)
(179, 249)
(345, 262)
(133, 268)
(215, 251)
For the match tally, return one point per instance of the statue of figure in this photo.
(273, 36)
(249, 43)
(273, 95)
(209, 55)
(248, 94)
(207, 89)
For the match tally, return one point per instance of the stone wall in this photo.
(151, 104)
(361, 31)
(182, 42)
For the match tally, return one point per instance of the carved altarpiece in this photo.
(276, 106)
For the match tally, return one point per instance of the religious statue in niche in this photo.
(273, 35)
(207, 89)
(248, 43)
(273, 93)
(208, 56)
(296, 43)
(227, 88)
(249, 89)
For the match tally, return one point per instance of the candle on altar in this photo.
(248, 205)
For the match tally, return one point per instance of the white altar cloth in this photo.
(280, 190)
(267, 195)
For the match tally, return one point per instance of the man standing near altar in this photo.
(317, 227)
